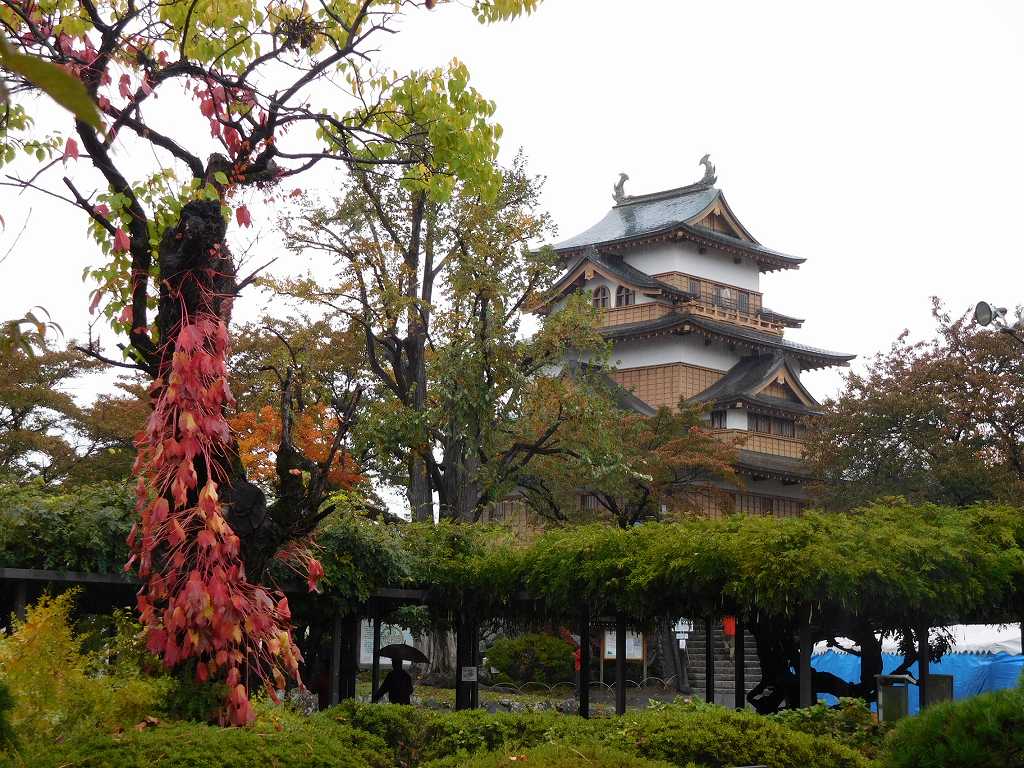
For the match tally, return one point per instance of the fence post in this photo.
(922, 663)
(375, 669)
(584, 681)
(335, 696)
(709, 662)
(806, 648)
(740, 667)
(350, 637)
(620, 664)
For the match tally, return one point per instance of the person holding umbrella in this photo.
(397, 684)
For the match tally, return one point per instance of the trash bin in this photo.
(938, 689)
(893, 696)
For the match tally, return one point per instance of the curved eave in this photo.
(810, 357)
(766, 260)
(768, 405)
(770, 467)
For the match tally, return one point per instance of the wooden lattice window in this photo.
(784, 427)
(743, 301)
(600, 297)
(624, 296)
(718, 419)
(760, 424)
(695, 287)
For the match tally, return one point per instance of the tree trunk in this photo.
(419, 492)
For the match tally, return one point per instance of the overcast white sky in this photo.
(880, 140)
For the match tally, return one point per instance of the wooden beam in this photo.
(922, 663)
(583, 686)
(67, 577)
(740, 670)
(335, 694)
(620, 664)
(375, 674)
(806, 648)
(709, 661)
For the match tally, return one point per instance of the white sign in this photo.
(634, 645)
(469, 674)
(389, 633)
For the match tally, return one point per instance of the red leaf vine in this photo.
(197, 603)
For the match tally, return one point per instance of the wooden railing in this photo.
(730, 315)
(776, 445)
(634, 313)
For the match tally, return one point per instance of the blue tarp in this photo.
(973, 673)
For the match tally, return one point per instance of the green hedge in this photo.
(558, 756)
(678, 734)
(317, 743)
(533, 658)
(985, 731)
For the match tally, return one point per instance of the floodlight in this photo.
(983, 313)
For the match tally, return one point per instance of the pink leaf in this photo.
(121, 241)
(243, 217)
(125, 86)
(70, 149)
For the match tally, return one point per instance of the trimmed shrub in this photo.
(556, 756)
(985, 731)
(268, 744)
(533, 658)
(851, 723)
(679, 734)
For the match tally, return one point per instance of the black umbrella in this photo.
(403, 652)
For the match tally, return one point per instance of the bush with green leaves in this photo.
(532, 658)
(677, 734)
(851, 722)
(312, 743)
(559, 756)
(79, 529)
(985, 731)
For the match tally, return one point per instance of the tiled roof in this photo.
(757, 463)
(758, 339)
(644, 214)
(621, 396)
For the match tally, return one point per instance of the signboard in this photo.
(469, 674)
(389, 634)
(634, 645)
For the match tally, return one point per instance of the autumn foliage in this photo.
(259, 433)
(197, 603)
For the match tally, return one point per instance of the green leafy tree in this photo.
(939, 420)
(275, 90)
(630, 468)
(436, 289)
(46, 434)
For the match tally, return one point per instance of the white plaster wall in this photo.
(673, 349)
(736, 418)
(683, 257)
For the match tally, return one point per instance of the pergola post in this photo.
(375, 673)
(584, 677)
(20, 599)
(922, 663)
(467, 644)
(350, 637)
(620, 664)
(709, 661)
(335, 694)
(806, 648)
(740, 667)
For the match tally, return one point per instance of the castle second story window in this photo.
(785, 427)
(600, 297)
(624, 296)
(718, 419)
(743, 301)
(695, 287)
(761, 424)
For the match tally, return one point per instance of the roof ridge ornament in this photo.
(619, 191)
(709, 171)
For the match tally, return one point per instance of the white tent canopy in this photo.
(970, 638)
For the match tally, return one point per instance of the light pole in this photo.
(986, 314)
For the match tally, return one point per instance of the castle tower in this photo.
(676, 278)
